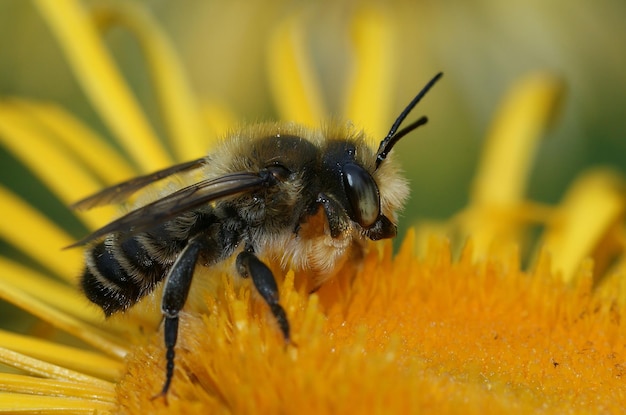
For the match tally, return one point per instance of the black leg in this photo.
(338, 219)
(170, 329)
(248, 265)
(174, 297)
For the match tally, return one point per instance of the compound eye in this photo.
(362, 194)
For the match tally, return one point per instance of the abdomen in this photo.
(121, 269)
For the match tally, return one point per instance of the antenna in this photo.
(392, 137)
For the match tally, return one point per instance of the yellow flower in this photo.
(451, 323)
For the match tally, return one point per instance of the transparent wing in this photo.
(179, 202)
(120, 192)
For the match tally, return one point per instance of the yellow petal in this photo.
(23, 384)
(41, 368)
(219, 120)
(369, 90)
(529, 108)
(612, 285)
(42, 405)
(61, 296)
(68, 299)
(95, 70)
(56, 167)
(587, 224)
(91, 149)
(294, 86)
(91, 363)
(40, 239)
(493, 217)
(179, 110)
(71, 325)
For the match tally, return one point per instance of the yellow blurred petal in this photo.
(95, 70)
(588, 219)
(530, 106)
(97, 155)
(493, 217)
(91, 363)
(59, 169)
(370, 89)
(219, 120)
(58, 295)
(295, 89)
(32, 233)
(424, 231)
(62, 321)
(612, 285)
(178, 107)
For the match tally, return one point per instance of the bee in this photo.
(309, 199)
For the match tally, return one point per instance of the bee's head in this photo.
(361, 190)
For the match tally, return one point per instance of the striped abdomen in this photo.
(121, 269)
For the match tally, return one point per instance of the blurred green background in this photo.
(482, 46)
